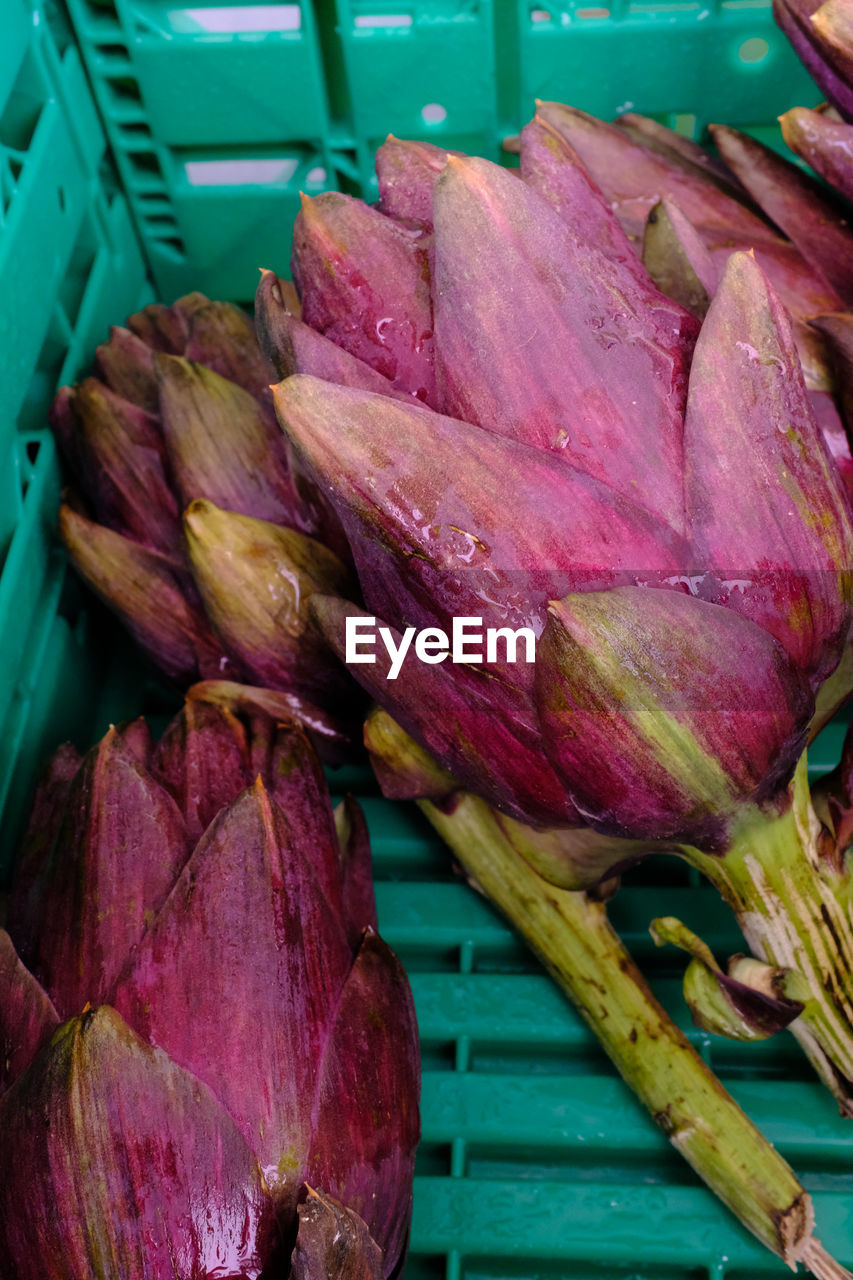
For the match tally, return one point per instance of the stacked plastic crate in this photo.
(535, 1161)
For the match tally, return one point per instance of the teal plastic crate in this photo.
(220, 111)
(70, 264)
(536, 1162)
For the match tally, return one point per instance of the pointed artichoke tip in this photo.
(197, 512)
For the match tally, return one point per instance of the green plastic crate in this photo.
(220, 111)
(536, 1163)
(70, 264)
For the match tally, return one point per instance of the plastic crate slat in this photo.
(606, 1224)
(594, 1117)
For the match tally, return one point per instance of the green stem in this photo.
(571, 934)
(794, 907)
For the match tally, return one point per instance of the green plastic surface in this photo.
(536, 1162)
(220, 111)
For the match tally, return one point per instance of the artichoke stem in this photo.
(574, 939)
(793, 902)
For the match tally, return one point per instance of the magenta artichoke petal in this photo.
(433, 540)
(358, 900)
(294, 347)
(188, 987)
(162, 328)
(824, 143)
(124, 465)
(137, 737)
(403, 769)
(295, 781)
(118, 1163)
(333, 1243)
(802, 292)
(816, 223)
(676, 146)
(662, 713)
(202, 760)
(837, 331)
(481, 731)
(222, 444)
(26, 900)
(255, 579)
(27, 1015)
(367, 1126)
(832, 26)
(222, 337)
(126, 364)
(834, 432)
(364, 284)
(554, 171)
(634, 178)
(406, 172)
(677, 259)
(770, 518)
(795, 19)
(511, 276)
(62, 417)
(149, 592)
(119, 851)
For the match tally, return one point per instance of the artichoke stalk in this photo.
(571, 934)
(208, 1020)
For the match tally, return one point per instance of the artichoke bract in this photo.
(658, 506)
(208, 1018)
(179, 412)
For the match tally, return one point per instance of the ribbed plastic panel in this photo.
(221, 111)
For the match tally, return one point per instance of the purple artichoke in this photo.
(209, 1022)
(559, 457)
(594, 468)
(180, 412)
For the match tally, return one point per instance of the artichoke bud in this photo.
(333, 1243)
(656, 731)
(677, 260)
(222, 444)
(126, 365)
(753, 1001)
(255, 579)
